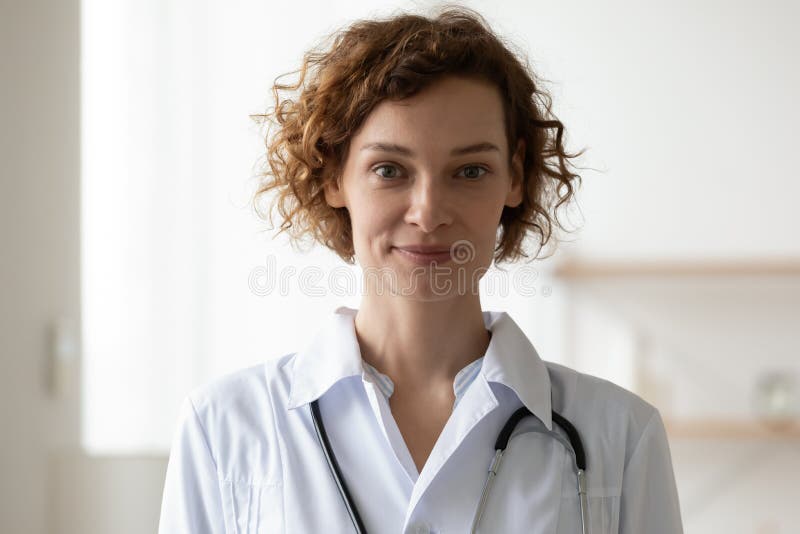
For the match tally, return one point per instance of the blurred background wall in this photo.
(682, 284)
(39, 259)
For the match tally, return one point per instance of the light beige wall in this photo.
(48, 485)
(39, 258)
(106, 495)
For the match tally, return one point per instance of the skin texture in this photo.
(423, 326)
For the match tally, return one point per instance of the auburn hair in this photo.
(394, 58)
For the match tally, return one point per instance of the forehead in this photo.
(452, 111)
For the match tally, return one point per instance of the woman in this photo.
(423, 149)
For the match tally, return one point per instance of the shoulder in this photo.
(243, 390)
(611, 419)
(602, 397)
(237, 413)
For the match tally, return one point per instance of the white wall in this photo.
(662, 96)
(689, 110)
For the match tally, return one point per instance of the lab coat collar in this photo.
(331, 355)
(510, 359)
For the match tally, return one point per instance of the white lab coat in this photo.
(246, 459)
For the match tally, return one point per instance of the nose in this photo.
(429, 204)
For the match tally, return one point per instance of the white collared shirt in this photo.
(380, 405)
(246, 459)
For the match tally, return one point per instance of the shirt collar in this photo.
(510, 359)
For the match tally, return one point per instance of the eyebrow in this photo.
(405, 151)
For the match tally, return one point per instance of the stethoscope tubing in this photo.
(500, 447)
(322, 435)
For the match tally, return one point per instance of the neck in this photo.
(421, 345)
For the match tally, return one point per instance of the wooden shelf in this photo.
(573, 269)
(753, 285)
(708, 428)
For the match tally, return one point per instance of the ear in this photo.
(334, 194)
(514, 197)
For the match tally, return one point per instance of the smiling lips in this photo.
(425, 254)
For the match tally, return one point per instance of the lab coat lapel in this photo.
(511, 360)
(478, 401)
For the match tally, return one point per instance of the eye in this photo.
(393, 171)
(473, 171)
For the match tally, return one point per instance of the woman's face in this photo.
(431, 170)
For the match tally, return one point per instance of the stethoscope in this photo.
(500, 447)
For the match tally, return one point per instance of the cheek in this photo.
(369, 221)
(483, 217)
(484, 221)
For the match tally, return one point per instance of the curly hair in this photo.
(394, 58)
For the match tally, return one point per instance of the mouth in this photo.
(425, 254)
